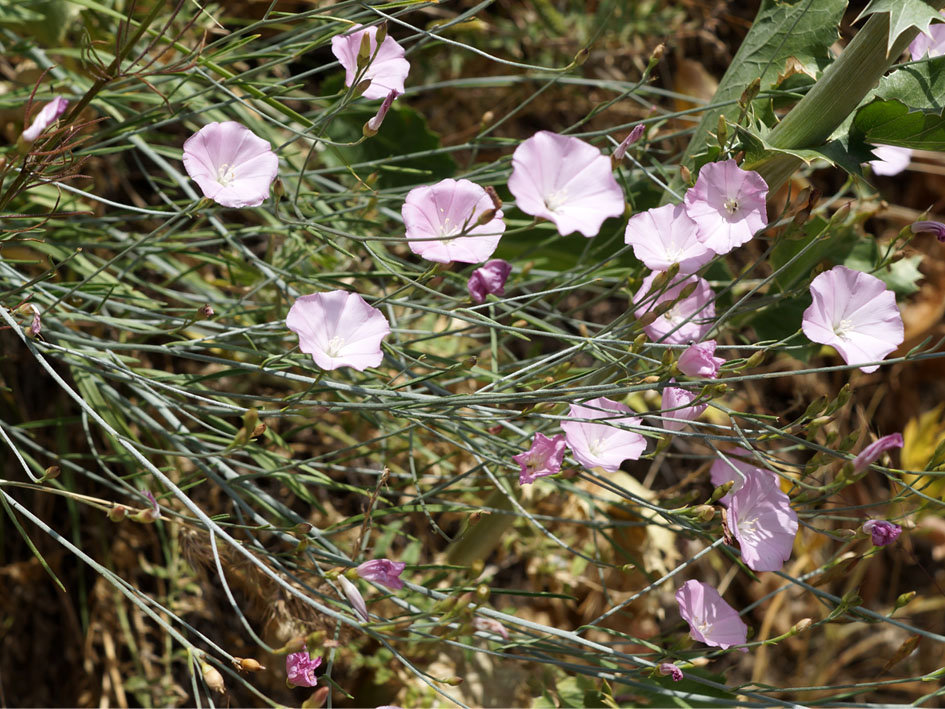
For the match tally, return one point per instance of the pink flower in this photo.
(354, 598)
(728, 204)
(890, 159)
(339, 329)
(677, 411)
(699, 360)
(443, 222)
(931, 43)
(722, 472)
(689, 319)
(300, 669)
(882, 532)
(489, 278)
(668, 668)
(383, 571)
(711, 620)
(761, 518)
(599, 445)
(936, 228)
(875, 449)
(47, 115)
(666, 235)
(855, 314)
(632, 137)
(374, 124)
(387, 70)
(490, 625)
(542, 459)
(233, 166)
(566, 181)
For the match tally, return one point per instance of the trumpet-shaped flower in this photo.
(232, 165)
(881, 531)
(871, 453)
(761, 518)
(566, 181)
(727, 469)
(300, 669)
(542, 459)
(47, 115)
(453, 220)
(339, 329)
(890, 159)
(689, 319)
(383, 571)
(488, 278)
(600, 445)
(387, 70)
(666, 235)
(931, 43)
(699, 360)
(854, 313)
(728, 205)
(711, 620)
(677, 411)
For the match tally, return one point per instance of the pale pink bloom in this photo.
(761, 518)
(374, 124)
(723, 471)
(232, 165)
(711, 620)
(602, 445)
(354, 598)
(699, 360)
(490, 625)
(890, 159)
(566, 181)
(542, 459)
(300, 669)
(47, 115)
(931, 227)
(36, 324)
(931, 43)
(728, 205)
(666, 235)
(882, 532)
(677, 411)
(383, 571)
(443, 222)
(489, 278)
(339, 329)
(689, 319)
(668, 668)
(632, 137)
(854, 313)
(875, 449)
(386, 72)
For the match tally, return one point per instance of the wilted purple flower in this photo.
(542, 459)
(300, 669)
(890, 159)
(387, 71)
(36, 324)
(383, 571)
(881, 531)
(931, 43)
(354, 598)
(711, 620)
(232, 165)
(566, 181)
(632, 137)
(728, 205)
(761, 518)
(699, 360)
(374, 124)
(489, 278)
(677, 411)
(668, 668)
(875, 449)
(599, 445)
(689, 319)
(339, 329)
(854, 313)
(666, 235)
(490, 625)
(936, 228)
(47, 115)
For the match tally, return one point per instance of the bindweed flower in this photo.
(854, 313)
(383, 571)
(728, 205)
(936, 228)
(689, 319)
(339, 329)
(890, 159)
(599, 445)
(711, 620)
(442, 222)
(36, 322)
(677, 411)
(699, 360)
(47, 115)
(374, 124)
(354, 598)
(632, 137)
(300, 669)
(542, 459)
(931, 43)
(566, 181)
(881, 531)
(761, 518)
(387, 70)
(666, 235)
(488, 278)
(232, 165)
(490, 625)
(723, 471)
(871, 453)
(668, 668)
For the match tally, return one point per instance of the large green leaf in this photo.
(892, 123)
(919, 86)
(903, 15)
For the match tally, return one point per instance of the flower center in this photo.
(843, 329)
(225, 174)
(333, 348)
(731, 205)
(596, 446)
(556, 200)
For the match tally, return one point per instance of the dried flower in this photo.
(488, 278)
(47, 115)
(936, 228)
(383, 571)
(374, 124)
(632, 137)
(354, 598)
(871, 453)
(881, 531)
(300, 669)
(699, 360)
(542, 459)
(490, 625)
(668, 668)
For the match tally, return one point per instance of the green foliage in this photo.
(893, 123)
(903, 16)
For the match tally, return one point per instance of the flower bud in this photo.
(247, 664)
(317, 699)
(212, 677)
(296, 644)
(802, 626)
(117, 513)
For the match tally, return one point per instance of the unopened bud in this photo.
(381, 33)
(685, 174)
(374, 124)
(247, 664)
(317, 699)
(721, 491)
(259, 430)
(751, 91)
(117, 513)
(486, 217)
(905, 599)
(703, 512)
(494, 196)
(213, 678)
(688, 289)
(722, 130)
(638, 342)
(802, 626)
(756, 359)
(315, 639)
(278, 188)
(658, 52)
(631, 138)
(362, 86)
(452, 681)
(296, 644)
(482, 593)
(302, 528)
(364, 52)
(581, 56)
(51, 473)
